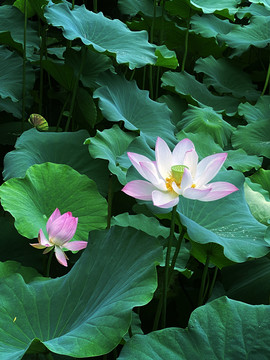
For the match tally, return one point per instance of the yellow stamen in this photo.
(177, 172)
(193, 186)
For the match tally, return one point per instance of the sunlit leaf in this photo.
(34, 147)
(226, 8)
(211, 331)
(258, 201)
(102, 34)
(48, 186)
(205, 119)
(166, 57)
(257, 112)
(262, 177)
(108, 145)
(86, 312)
(210, 25)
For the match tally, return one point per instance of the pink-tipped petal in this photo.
(55, 215)
(187, 180)
(208, 168)
(195, 194)
(136, 159)
(180, 150)
(165, 199)
(191, 161)
(152, 175)
(63, 229)
(42, 239)
(76, 245)
(219, 190)
(60, 256)
(163, 158)
(139, 189)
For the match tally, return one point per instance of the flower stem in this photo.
(213, 282)
(175, 255)
(110, 199)
(49, 263)
(204, 276)
(167, 266)
(24, 65)
(75, 88)
(95, 5)
(266, 80)
(186, 46)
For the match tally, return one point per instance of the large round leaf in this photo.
(226, 77)
(122, 100)
(186, 85)
(35, 147)
(256, 33)
(86, 312)
(226, 222)
(222, 329)
(254, 138)
(102, 34)
(210, 25)
(48, 186)
(223, 7)
(11, 75)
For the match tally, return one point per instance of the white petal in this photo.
(219, 190)
(195, 194)
(139, 189)
(187, 180)
(180, 150)
(163, 158)
(152, 175)
(208, 168)
(164, 199)
(191, 161)
(136, 159)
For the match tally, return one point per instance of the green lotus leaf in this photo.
(226, 8)
(133, 7)
(253, 10)
(166, 57)
(102, 34)
(262, 177)
(254, 138)
(20, 5)
(176, 105)
(258, 201)
(48, 186)
(259, 111)
(122, 100)
(149, 225)
(9, 268)
(226, 78)
(237, 159)
(108, 145)
(93, 64)
(11, 75)
(86, 312)
(178, 8)
(34, 147)
(186, 85)
(248, 282)
(209, 26)
(227, 223)
(266, 3)
(206, 120)
(211, 331)
(11, 30)
(255, 33)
